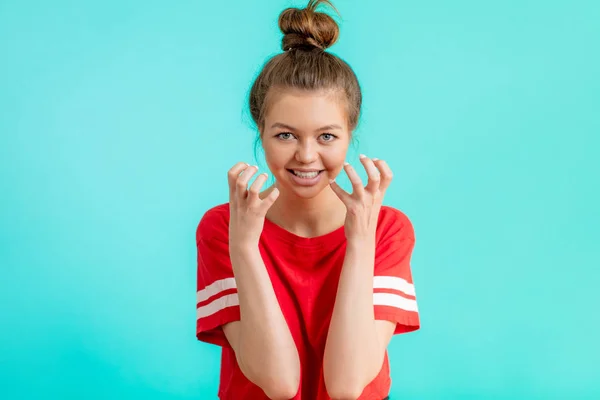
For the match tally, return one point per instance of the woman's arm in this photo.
(356, 343)
(263, 344)
(264, 347)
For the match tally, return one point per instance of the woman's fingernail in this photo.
(331, 181)
(361, 156)
(346, 164)
(374, 159)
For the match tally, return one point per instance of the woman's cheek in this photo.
(336, 160)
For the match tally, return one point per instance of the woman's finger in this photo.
(254, 191)
(268, 201)
(386, 174)
(357, 185)
(232, 176)
(372, 173)
(241, 184)
(341, 193)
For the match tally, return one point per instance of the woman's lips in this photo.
(305, 181)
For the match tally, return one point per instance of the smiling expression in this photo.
(305, 134)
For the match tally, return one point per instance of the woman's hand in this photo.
(364, 203)
(246, 210)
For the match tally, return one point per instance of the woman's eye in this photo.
(328, 137)
(284, 135)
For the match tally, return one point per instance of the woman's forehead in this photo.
(307, 109)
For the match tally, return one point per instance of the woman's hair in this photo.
(305, 65)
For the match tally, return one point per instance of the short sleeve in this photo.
(216, 298)
(394, 296)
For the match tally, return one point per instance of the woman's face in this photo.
(305, 139)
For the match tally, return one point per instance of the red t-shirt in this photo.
(304, 273)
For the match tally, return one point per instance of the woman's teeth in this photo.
(307, 175)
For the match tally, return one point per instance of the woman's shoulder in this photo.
(214, 223)
(392, 213)
(392, 221)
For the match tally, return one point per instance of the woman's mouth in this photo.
(304, 178)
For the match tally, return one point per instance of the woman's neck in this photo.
(312, 217)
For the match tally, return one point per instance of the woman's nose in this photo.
(306, 153)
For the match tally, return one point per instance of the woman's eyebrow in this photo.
(284, 126)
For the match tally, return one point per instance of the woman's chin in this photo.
(305, 192)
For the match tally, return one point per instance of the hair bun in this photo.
(306, 28)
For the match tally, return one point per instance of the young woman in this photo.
(303, 284)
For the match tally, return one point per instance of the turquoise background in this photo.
(120, 119)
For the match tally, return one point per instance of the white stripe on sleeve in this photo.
(394, 300)
(215, 288)
(395, 283)
(217, 305)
